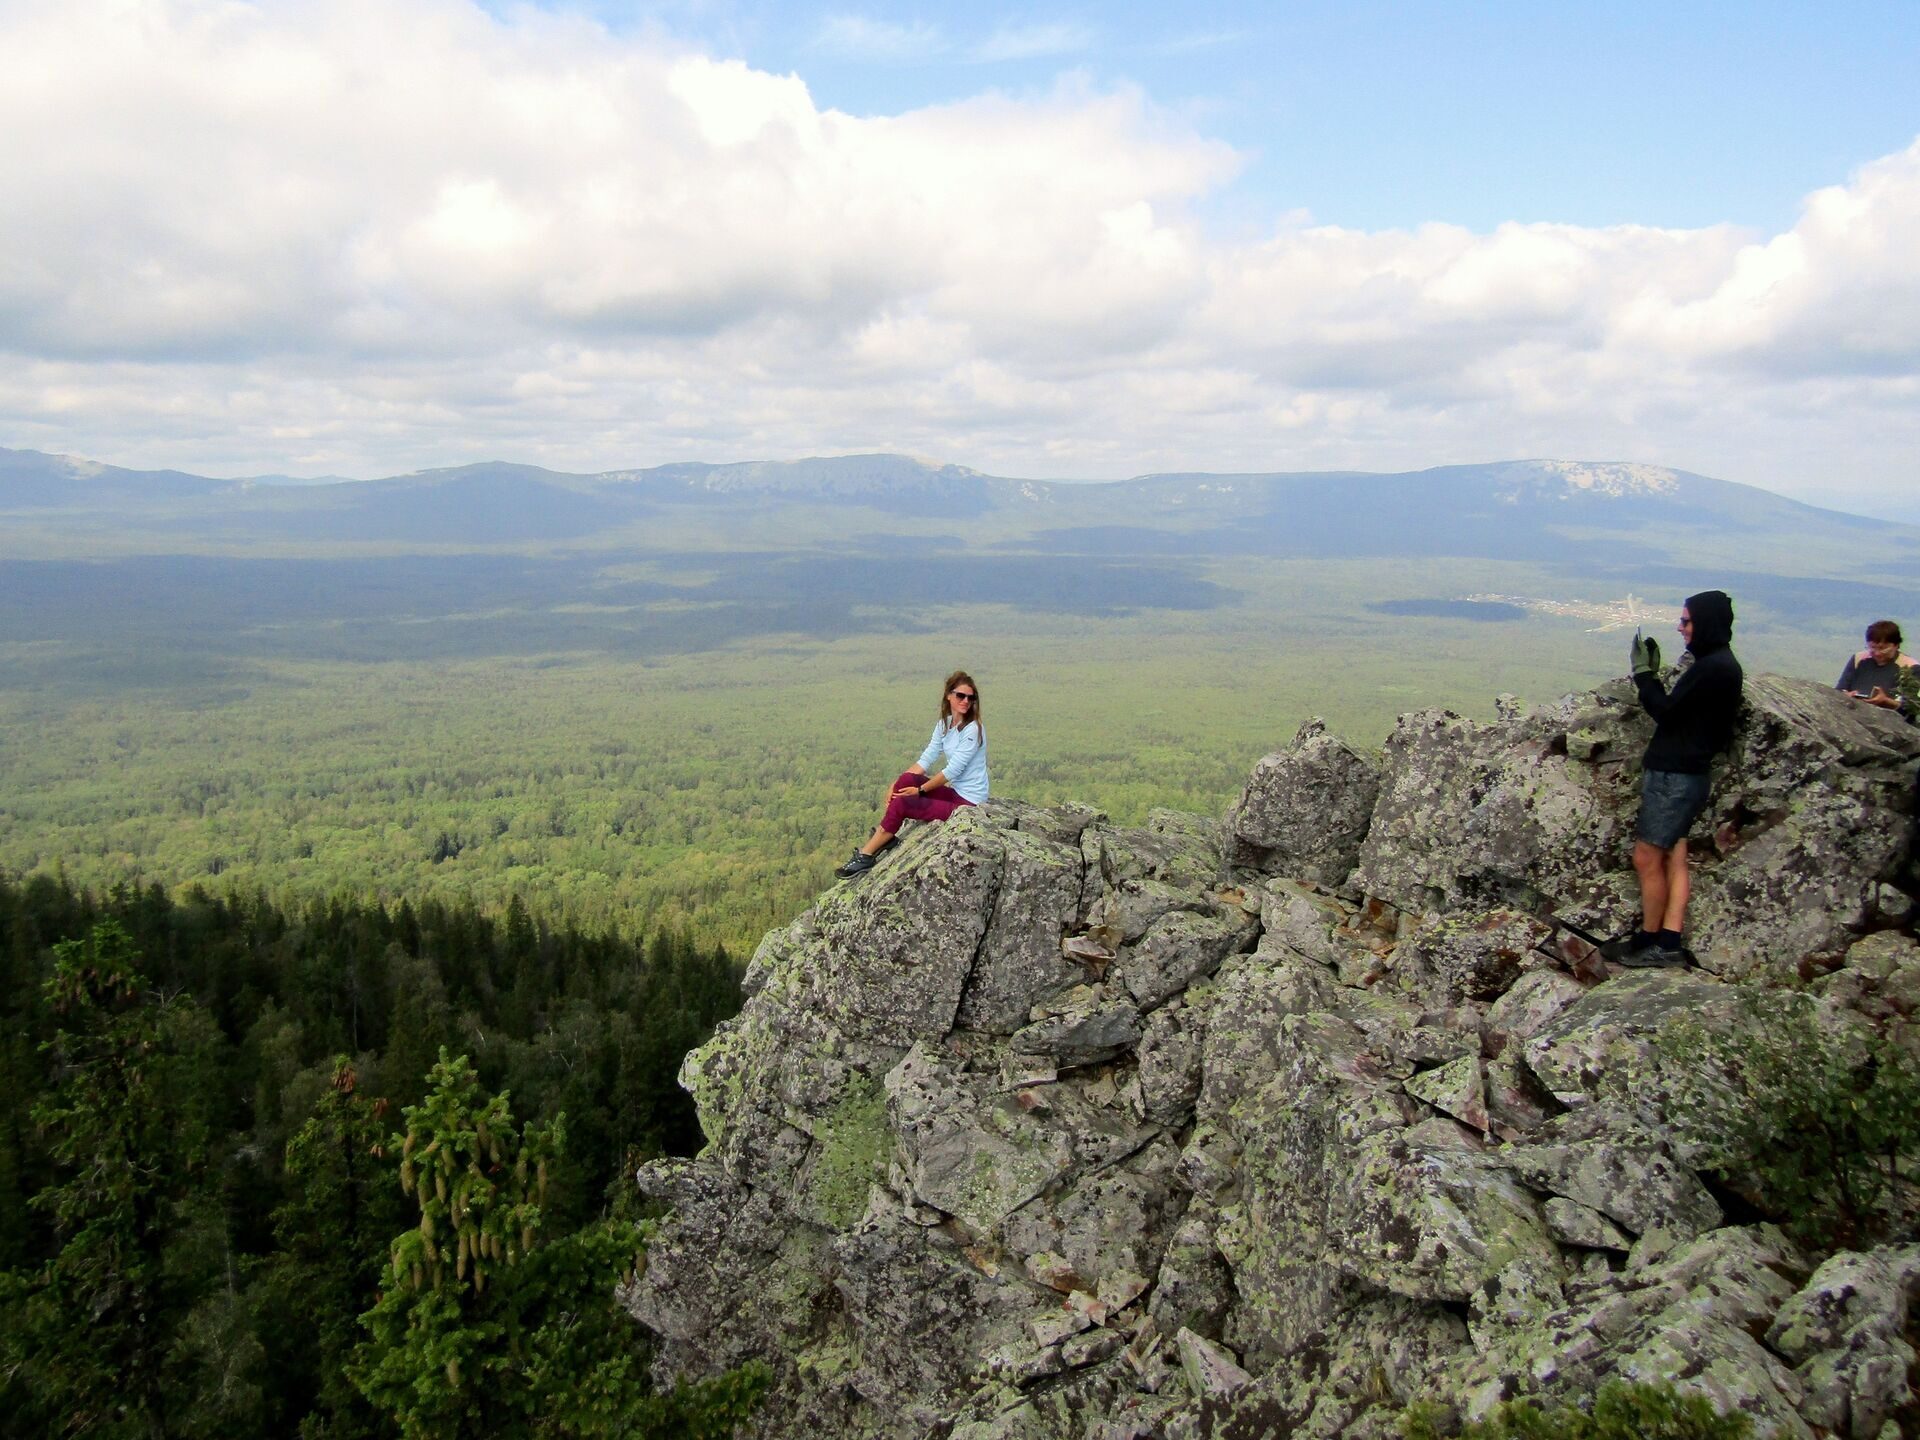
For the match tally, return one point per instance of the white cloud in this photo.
(1033, 42)
(859, 37)
(362, 237)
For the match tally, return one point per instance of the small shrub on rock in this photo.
(1620, 1412)
(1822, 1119)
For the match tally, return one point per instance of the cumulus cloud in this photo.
(366, 235)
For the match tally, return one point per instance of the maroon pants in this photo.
(937, 805)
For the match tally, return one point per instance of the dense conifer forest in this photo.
(228, 1132)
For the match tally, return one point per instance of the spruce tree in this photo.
(86, 1336)
(487, 1326)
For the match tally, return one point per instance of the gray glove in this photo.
(1646, 654)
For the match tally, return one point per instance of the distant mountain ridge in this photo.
(1507, 509)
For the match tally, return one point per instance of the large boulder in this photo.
(1305, 809)
(1809, 818)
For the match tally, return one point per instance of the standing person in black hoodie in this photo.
(1692, 724)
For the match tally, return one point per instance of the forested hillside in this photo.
(217, 1117)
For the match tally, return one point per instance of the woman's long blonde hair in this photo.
(960, 677)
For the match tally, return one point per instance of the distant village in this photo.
(1611, 614)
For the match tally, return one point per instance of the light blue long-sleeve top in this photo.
(966, 751)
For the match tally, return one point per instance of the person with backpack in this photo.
(959, 735)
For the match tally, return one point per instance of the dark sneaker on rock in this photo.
(1659, 957)
(1631, 948)
(858, 865)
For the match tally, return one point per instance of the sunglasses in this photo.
(966, 695)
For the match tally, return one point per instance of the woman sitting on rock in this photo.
(916, 795)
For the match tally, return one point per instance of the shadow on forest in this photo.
(187, 620)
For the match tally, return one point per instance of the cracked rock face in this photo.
(1049, 1129)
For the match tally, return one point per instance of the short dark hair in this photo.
(1882, 632)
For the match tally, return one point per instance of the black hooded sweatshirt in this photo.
(1695, 722)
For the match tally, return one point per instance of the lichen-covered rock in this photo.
(1040, 897)
(1193, 1289)
(1604, 1048)
(1084, 1027)
(1054, 1130)
(1109, 1226)
(1306, 809)
(1879, 980)
(1536, 998)
(1847, 1333)
(1809, 814)
(1179, 948)
(1457, 1088)
(1611, 1163)
(1686, 1320)
(965, 1150)
(1168, 1056)
(920, 1308)
(1477, 956)
(1572, 1223)
(1464, 807)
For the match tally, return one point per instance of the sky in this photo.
(362, 237)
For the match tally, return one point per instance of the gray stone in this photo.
(1169, 1054)
(1111, 1224)
(1536, 998)
(1194, 1286)
(966, 1151)
(1096, 1029)
(1177, 949)
(1848, 1335)
(1687, 1319)
(1572, 1223)
(1305, 921)
(1480, 955)
(1610, 1163)
(1306, 809)
(1602, 1048)
(1033, 1060)
(1212, 1372)
(1457, 1089)
(1037, 901)
(1880, 979)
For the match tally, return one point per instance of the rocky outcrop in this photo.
(1053, 1128)
(1809, 817)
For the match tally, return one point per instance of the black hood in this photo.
(1712, 612)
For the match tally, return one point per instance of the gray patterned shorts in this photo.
(1669, 804)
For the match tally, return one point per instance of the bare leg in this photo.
(875, 841)
(1679, 885)
(1650, 864)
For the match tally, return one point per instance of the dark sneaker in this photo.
(858, 865)
(1629, 949)
(1658, 957)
